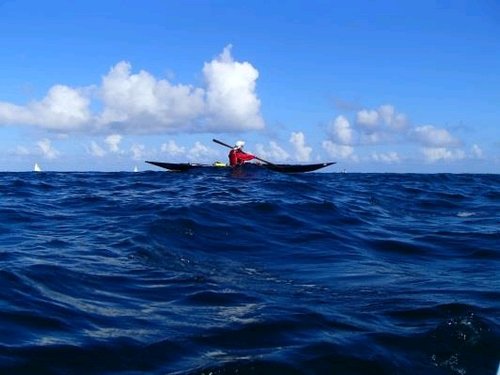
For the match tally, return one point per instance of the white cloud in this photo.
(11, 114)
(431, 136)
(138, 151)
(303, 152)
(45, 146)
(394, 120)
(384, 124)
(374, 138)
(274, 152)
(96, 150)
(341, 131)
(387, 112)
(367, 118)
(389, 157)
(113, 142)
(476, 152)
(231, 99)
(141, 103)
(62, 109)
(435, 154)
(172, 149)
(200, 152)
(400, 122)
(339, 151)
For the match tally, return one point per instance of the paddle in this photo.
(225, 144)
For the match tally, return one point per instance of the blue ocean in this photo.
(216, 272)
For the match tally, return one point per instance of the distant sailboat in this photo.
(37, 168)
(136, 169)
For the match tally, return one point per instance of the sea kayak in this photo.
(284, 168)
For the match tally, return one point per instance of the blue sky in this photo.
(378, 86)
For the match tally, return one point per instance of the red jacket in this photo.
(237, 157)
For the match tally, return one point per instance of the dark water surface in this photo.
(255, 273)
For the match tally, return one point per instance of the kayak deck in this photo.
(283, 168)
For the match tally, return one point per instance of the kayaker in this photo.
(237, 156)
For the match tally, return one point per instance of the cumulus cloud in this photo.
(138, 151)
(200, 152)
(47, 150)
(367, 118)
(389, 157)
(374, 138)
(339, 151)
(95, 150)
(132, 102)
(342, 137)
(431, 136)
(141, 103)
(435, 154)
(62, 109)
(171, 148)
(383, 124)
(273, 152)
(385, 115)
(341, 131)
(230, 96)
(113, 142)
(391, 118)
(303, 152)
(476, 152)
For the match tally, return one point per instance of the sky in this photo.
(377, 86)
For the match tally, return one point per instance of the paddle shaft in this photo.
(225, 144)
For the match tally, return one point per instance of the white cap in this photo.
(239, 144)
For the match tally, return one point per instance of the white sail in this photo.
(37, 168)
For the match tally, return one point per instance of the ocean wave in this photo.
(257, 273)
